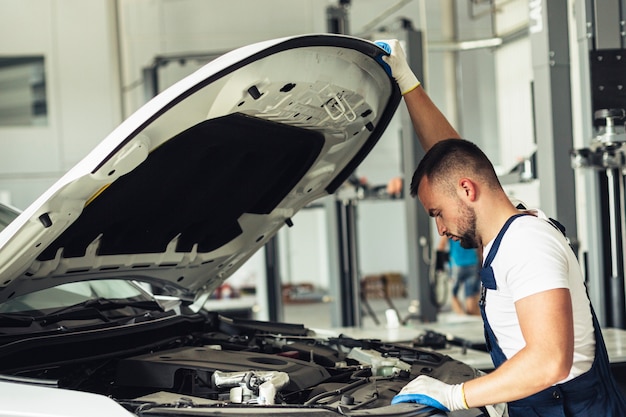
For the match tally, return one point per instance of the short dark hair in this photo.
(458, 156)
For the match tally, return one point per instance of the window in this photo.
(23, 91)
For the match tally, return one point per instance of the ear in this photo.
(467, 189)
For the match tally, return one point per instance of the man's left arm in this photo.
(546, 321)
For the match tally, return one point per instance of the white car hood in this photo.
(185, 190)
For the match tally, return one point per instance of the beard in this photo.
(467, 228)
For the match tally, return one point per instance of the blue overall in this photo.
(594, 393)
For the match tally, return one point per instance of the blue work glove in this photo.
(432, 392)
(398, 65)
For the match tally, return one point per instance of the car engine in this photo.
(207, 362)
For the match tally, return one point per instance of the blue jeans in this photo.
(466, 276)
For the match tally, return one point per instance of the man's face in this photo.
(467, 226)
(453, 216)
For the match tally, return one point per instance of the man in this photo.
(544, 340)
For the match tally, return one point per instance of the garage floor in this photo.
(318, 315)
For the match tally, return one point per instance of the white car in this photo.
(179, 196)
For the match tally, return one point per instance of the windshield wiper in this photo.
(15, 320)
(86, 310)
(94, 308)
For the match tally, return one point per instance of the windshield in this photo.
(7, 214)
(66, 295)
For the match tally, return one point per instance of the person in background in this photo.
(463, 267)
(462, 264)
(543, 336)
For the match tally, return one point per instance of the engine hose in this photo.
(364, 403)
(359, 373)
(336, 392)
(248, 380)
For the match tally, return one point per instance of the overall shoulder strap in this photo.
(486, 273)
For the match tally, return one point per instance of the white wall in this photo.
(78, 41)
(164, 27)
(514, 75)
(304, 249)
(149, 28)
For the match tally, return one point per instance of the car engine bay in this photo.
(207, 361)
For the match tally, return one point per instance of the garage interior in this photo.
(538, 85)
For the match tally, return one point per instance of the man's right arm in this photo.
(429, 123)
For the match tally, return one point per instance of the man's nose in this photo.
(441, 229)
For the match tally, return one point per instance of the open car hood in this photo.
(185, 190)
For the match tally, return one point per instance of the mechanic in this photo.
(543, 337)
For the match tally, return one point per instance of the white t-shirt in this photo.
(534, 257)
